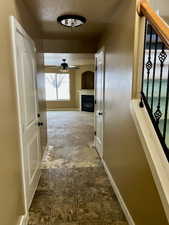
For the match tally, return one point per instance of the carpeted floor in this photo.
(73, 189)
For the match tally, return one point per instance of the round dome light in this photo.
(71, 20)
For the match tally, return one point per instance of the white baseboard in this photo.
(118, 195)
(23, 220)
(35, 184)
(64, 109)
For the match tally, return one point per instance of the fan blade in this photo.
(74, 67)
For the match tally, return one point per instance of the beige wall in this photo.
(11, 202)
(162, 7)
(69, 46)
(123, 152)
(78, 77)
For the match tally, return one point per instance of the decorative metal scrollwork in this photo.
(155, 84)
(149, 65)
(163, 55)
(158, 114)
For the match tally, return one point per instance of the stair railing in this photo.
(155, 72)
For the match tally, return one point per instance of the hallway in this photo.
(73, 188)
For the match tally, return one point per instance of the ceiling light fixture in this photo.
(71, 20)
(64, 65)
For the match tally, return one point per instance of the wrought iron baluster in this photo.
(142, 83)
(154, 70)
(166, 107)
(149, 63)
(162, 57)
(152, 43)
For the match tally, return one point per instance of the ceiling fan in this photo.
(64, 66)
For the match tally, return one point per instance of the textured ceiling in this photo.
(55, 59)
(97, 12)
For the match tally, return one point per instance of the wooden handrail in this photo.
(159, 25)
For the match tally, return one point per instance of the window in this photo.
(57, 86)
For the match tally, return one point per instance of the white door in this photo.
(25, 72)
(99, 101)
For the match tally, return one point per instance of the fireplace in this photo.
(87, 103)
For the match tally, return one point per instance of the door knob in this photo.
(100, 113)
(40, 124)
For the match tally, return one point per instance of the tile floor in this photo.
(73, 189)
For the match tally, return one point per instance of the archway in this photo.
(88, 80)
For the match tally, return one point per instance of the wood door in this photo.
(99, 97)
(25, 64)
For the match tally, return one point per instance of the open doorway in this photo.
(69, 82)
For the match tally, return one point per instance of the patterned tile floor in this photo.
(73, 189)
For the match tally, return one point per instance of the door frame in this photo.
(16, 28)
(102, 49)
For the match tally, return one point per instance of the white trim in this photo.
(118, 195)
(100, 51)
(23, 220)
(154, 152)
(36, 186)
(64, 109)
(14, 26)
(45, 148)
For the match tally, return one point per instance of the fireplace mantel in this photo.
(84, 92)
